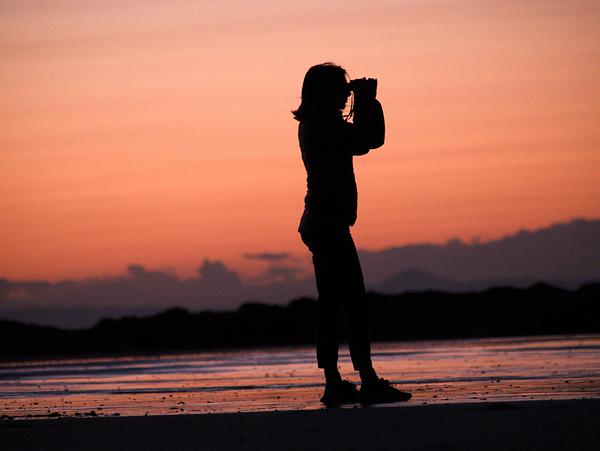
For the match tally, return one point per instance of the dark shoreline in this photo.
(167, 353)
(497, 312)
(548, 425)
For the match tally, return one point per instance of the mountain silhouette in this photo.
(419, 281)
(565, 255)
(540, 309)
(414, 280)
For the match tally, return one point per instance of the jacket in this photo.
(328, 145)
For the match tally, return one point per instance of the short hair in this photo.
(320, 85)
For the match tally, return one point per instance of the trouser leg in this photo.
(355, 308)
(341, 292)
(328, 310)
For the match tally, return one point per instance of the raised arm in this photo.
(368, 128)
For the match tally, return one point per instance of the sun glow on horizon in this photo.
(160, 132)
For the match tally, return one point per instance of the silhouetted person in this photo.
(329, 142)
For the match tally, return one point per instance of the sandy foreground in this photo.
(527, 425)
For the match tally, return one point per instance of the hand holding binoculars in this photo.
(363, 87)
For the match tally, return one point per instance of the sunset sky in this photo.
(160, 133)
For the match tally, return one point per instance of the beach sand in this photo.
(530, 425)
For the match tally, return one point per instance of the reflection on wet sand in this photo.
(450, 371)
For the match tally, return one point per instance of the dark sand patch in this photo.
(547, 425)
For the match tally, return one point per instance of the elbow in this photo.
(376, 143)
(378, 138)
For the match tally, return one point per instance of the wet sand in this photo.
(448, 372)
(547, 425)
(484, 394)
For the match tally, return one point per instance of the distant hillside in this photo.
(539, 309)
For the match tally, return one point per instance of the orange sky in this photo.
(159, 132)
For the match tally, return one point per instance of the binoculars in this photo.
(363, 86)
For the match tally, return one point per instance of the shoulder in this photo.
(311, 132)
(323, 133)
(323, 127)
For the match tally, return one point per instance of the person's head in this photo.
(324, 90)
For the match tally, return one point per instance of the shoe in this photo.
(381, 392)
(343, 392)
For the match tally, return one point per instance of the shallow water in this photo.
(449, 371)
